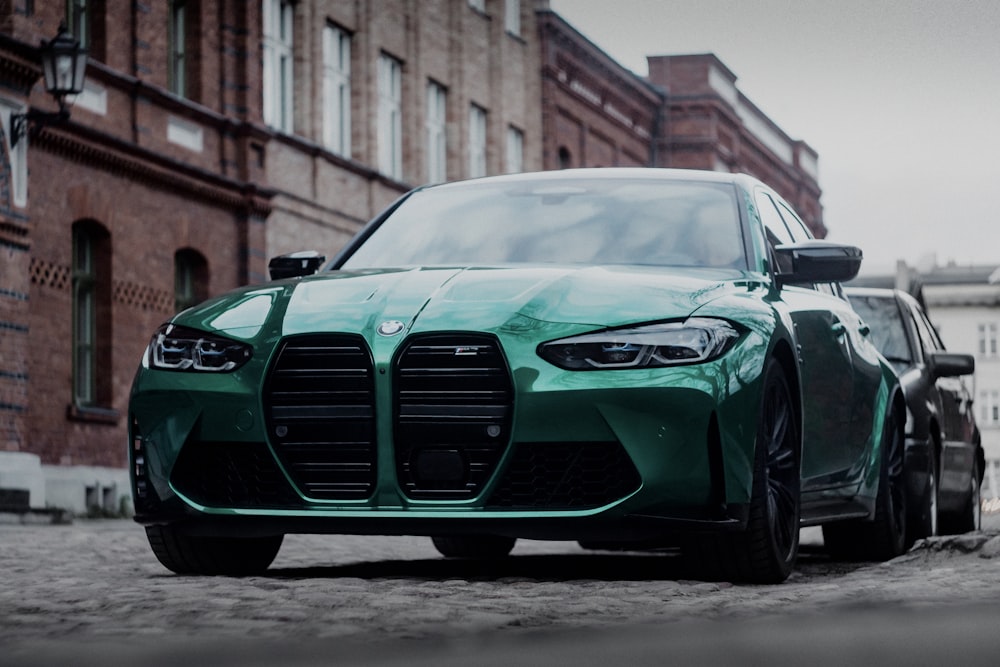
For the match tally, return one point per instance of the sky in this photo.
(900, 98)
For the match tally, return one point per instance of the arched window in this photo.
(91, 315)
(565, 159)
(190, 278)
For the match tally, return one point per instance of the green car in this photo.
(620, 357)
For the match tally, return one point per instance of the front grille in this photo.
(453, 414)
(320, 407)
(232, 474)
(565, 475)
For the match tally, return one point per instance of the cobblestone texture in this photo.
(97, 584)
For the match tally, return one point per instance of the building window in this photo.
(435, 128)
(477, 141)
(512, 17)
(337, 90)
(190, 278)
(78, 20)
(515, 150)
(478, 5)
(178, 47)
(91, 315)
(989, 408)
(565, 159)
(988, 340)
(390, 116)
(278, 84)
(18, 155)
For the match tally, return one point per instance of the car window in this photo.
(888, 329)
(775, 229)
(586, 220)
(928, 335)
(795, 224)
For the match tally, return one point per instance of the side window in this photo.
(799, 231)
(774, 227)
(928, 336)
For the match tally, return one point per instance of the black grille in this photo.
(320, 410)
(565, 475)
(453, 414)
(232, 474)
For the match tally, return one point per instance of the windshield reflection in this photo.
(583, 221)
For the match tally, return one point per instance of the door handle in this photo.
(864, 329)
(838, 329)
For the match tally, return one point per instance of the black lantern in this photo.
(64, 64)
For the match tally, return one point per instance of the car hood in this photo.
(483, 299)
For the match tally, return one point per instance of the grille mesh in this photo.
(453, 414)
(232, 474)
(565, 475)
(321, 415)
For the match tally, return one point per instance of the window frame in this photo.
(514, 157)
(390, 116)
(436, 132)
(279, 54)
(477, 148)
(337, 47)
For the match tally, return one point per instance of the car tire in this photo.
(230, 556)
(969, 518)
(922, 518)
(883, 537)
(479, 547)
(766, 551)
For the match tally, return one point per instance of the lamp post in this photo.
(64, 64)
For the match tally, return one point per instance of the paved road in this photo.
(95, 585)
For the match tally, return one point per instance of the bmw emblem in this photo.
(390, 328)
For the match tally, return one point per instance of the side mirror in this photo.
(295, 265)
(818, 261)
(947, 364)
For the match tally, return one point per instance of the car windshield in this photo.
(582, 221)
(888, 332)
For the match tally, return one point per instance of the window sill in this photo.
(93, 414)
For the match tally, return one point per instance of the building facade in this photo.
(214, 134)
(211, 135)
(710, 124)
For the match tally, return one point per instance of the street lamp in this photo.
(64, 64)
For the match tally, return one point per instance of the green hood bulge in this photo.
(464, 299)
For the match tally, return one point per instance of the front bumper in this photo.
(595, 455)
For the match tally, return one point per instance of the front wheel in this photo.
(766, 551)
(883, 537)
(231, 556)
(969, 518)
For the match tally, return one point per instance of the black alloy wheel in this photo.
(883, 537)
(766, 551)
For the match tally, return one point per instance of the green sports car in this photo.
(620, 357)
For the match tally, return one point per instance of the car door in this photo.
(826, 366)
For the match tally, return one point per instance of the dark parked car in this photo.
(608, 355)
(944, 460)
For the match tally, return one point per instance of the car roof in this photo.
(609, 173)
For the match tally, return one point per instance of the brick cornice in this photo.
(88, 146)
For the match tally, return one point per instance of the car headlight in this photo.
(175, 348)
(653, 346)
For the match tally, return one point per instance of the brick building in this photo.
(710, 124)
(595, 112)
(211, 135)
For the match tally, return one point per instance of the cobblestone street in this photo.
(97, 584)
